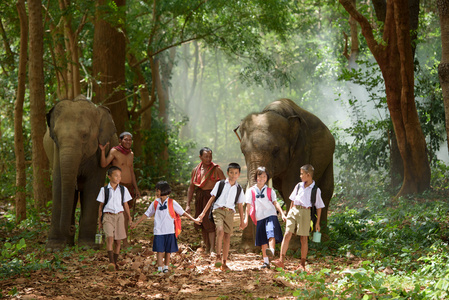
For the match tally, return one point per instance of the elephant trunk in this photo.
(69, 169)
(252, 168)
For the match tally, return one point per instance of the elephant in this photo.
(75, 128)
(282, 138)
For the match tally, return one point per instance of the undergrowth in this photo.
(399, 248)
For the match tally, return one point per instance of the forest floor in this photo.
(192, 275)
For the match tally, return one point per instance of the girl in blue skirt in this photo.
(261, 205)
(166, 213)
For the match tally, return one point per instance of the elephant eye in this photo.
(276, 151)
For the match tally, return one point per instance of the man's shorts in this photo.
(298, 221)
(224, 218)
(132, 192)
(114, 225)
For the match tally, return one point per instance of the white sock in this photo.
(266, 260)
(159, 269)
(165, 267)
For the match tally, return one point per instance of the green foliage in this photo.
(400, 246)
(178, 165)
(15, 261)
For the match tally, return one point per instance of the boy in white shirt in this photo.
(298, 218)
(110, 214)
(228, 195)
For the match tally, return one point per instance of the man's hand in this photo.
(317, 226)
(243, 225)
(187, 209)
(103, 147)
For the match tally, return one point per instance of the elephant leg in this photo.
(326, 184)
(89, 211)
(57, 239)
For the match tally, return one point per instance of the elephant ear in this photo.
(52, 115)
(297, 126)
(107, 126)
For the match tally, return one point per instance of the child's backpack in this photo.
(220, 189)
(106, 197)
(313, 216)
(173, 214)
(252, 211)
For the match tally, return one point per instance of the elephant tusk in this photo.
(235, 131)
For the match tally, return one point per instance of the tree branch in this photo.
(366, 27)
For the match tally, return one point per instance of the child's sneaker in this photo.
(265, 266)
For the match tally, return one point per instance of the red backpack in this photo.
(252, 211)
(173, 214)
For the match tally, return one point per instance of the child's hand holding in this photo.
(284, 218)
(197, 221)
(243, 225)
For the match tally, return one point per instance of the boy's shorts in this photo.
(114, 225)
(224, 218)
(298, 221)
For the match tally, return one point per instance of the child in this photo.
(261, 205)
(113, 201)
(223, 211)
(164, 242)
(298, 218)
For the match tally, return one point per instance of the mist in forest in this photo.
(207, 90)
(212, 97)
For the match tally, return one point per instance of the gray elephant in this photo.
(282, 138)
(75, 128)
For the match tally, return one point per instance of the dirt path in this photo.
(193, 275)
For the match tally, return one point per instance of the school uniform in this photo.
(268, 225)
(223, 209)
(298, 218)
(113, 217)
(164, 226)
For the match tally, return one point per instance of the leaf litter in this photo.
(192, 275)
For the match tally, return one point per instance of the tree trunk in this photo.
(41, 177)
(108, 66)
(147, 100)
(18, 116)
(395, 60)
(443, 67)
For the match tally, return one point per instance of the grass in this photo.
(401, 250)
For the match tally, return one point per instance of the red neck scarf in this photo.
(199, 180)
(123, 149)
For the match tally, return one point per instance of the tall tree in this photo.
(65, 50)
(394, 56)
(18, 115)
(41, 177)
(108, 63)
(443, 67)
